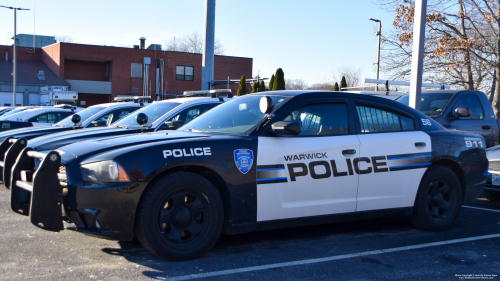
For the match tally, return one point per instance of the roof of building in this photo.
(27, 73)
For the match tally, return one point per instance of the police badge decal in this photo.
(243, 159)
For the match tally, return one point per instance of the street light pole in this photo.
(379, 34)
(15, 55)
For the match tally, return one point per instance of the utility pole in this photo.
(15, 53)
(417, 60)
(379, 34)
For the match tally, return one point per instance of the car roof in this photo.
(118, 104)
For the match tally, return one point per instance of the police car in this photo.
(163, 115)
(492, 188)
(261, 161)
(13, 141)
(35, 116)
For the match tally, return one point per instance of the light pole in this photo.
(379, 33)
(15, 56)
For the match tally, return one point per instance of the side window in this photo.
(321, 119)
(116, 114)
(472, 102)
(191, 113)
(54, 117)
(40, 119)
(373, 120)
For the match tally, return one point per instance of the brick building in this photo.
(100, 73)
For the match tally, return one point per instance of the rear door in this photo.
(394, 155)
(310, 174)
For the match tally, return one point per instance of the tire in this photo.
(180, 217)
(438, 201)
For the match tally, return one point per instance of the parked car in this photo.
(261, 161)
(35, 117)
(492, 188)
(13, 141)
(164, 115)
(461, 110)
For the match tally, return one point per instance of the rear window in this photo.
(430, 104)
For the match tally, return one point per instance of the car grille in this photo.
(494, 166)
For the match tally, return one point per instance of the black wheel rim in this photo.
(440, 199)
(182, 217)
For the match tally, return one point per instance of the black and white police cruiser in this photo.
(163, 115)
(12, 142)
(261, 161)
(36, 116)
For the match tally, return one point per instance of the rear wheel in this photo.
(180, 217)
(439, 199)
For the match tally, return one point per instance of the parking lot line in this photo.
(331, 258)
(498, 211)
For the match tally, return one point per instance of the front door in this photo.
(310, 174)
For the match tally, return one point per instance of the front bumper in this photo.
(489, 187)
(106, 210)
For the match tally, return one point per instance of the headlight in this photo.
(104, 171)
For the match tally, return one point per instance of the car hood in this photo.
(32, 132)
(85, 149)
(59, 139)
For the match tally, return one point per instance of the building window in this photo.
(184, 73)
(136, 70)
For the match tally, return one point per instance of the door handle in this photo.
(420, 144)
(486, 127)
(349, 152)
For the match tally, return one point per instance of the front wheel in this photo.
(180, 217)
(438, 201)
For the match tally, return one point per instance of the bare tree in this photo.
(64, 38)
(192, 43)
(324, 86)
(295, 84)
(352, 75)
(451, 43)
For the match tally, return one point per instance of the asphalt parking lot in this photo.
(388, 249)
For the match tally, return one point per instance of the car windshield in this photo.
(234, 117)
(153, 111)
(430, 104)
(84, 114)
(12, 112)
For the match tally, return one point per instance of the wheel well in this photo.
(207, 173)
(455, 167)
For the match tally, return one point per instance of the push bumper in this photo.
(106, 211)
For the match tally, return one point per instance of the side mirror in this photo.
(76, 119)
(98, 123)
(461, 112)
(266, 105)
(284, 128)
(141, 119)
(174, 125)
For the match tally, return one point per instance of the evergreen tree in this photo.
(271, 83)
(279, 80)
(343, 83)
(262, 86)
(242, 87)
(336, 87)
(255, 87)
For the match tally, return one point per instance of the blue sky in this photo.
(308, 39)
